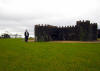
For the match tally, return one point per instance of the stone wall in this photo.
(82, 31)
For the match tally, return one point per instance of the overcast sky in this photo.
(18, 15)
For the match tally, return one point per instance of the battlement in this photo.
(82, 31)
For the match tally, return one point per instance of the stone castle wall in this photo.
(82, 31)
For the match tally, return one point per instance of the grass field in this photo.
(16, 55)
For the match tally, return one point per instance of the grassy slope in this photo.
(16, 55)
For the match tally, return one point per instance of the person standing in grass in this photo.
(26, 34)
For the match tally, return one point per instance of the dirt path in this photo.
(77, 41)
(30, 40)
(98, 41)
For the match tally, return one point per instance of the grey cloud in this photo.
(18, 20)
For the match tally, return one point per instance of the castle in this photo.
(82, 31)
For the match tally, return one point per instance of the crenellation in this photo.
(82, 31)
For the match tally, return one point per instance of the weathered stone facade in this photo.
(82, 31)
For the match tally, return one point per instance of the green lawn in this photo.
(16, 55)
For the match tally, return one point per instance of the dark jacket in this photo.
(26, 34)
